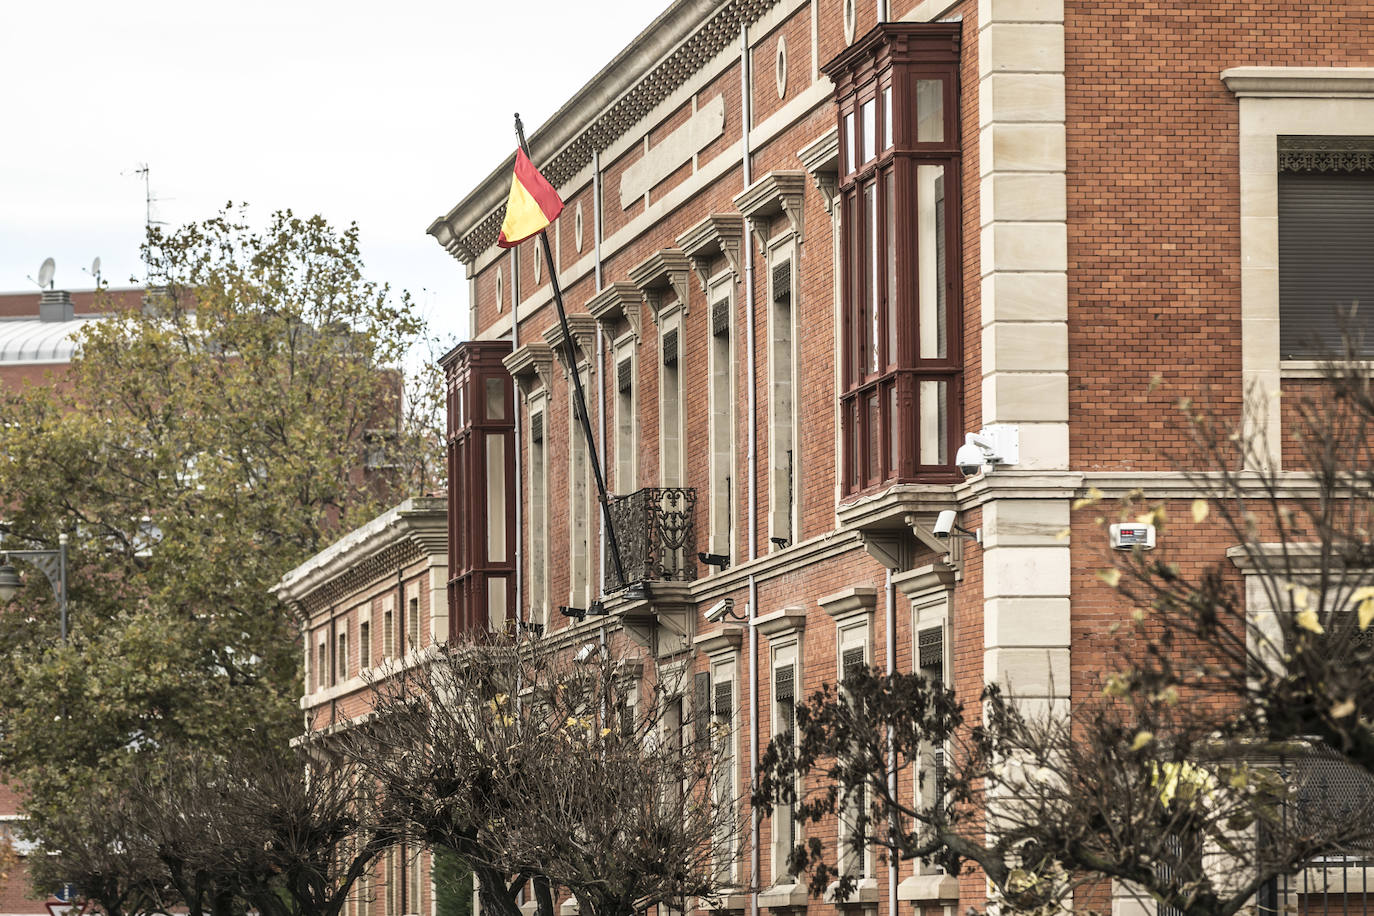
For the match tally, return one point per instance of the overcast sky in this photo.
(383, 113)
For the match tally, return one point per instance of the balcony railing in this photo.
(657, 534)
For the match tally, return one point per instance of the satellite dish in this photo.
(45, 274)
(95, 269)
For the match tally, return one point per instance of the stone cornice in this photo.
(821, 159)
(1300, 82)
(415, 529)
(719, 233)
(667, 268)
(659, 60)
(529, 363)
(851, 601)
(783, 623)
(583, 328)
(619, 300)
(777, 192)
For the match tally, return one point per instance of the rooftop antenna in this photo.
(45, 272)
(144, 172)
(95, 271)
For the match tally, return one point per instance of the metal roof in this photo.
(29, 341)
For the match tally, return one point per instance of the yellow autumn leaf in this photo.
(1365, 613)
(1343, 709)
(1141, 740)
(1308, 621)
(1110, 576)
(1200, 510)
(1300, 597)
(1093, 498)
(1063, 535)
(1363, 593)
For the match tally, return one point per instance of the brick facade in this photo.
(1100, 245)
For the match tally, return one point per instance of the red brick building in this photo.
(373, 602)
(807, 246)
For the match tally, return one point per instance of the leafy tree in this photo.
(1196, 776)
(196, 450)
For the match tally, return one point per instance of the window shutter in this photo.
(782, 282)
(724, 701)
(627, 720)
(537, 427)
(930, 652)
(670, 348)
(701, 707)
(784, 694)
(624, 376)
(851, 662)
(938, 771)
(720, 318)
(1326, 262)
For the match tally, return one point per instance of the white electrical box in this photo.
(1126, 537)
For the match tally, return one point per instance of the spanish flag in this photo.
(533, 203)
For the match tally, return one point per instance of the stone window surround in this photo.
(929, 589)
(625, 348)
(783, 629)
(1274, 101)
(669, 320)
(853, 611)
(722, 542)
(785, 246)
(537, 404)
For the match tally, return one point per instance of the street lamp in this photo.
(53, 564)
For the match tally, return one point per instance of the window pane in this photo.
(930, 261)
(849, 156)
(870, 116)
(930, 111)
(890, 243)
(892, 431)
(874, 443)
(855, 311)
(934, 412)
(871, 261)
(496, 399)
(887, 117)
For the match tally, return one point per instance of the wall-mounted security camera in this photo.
(944, 523)
(987, 449)
(719, 610)
(946, 527)
(585, 653)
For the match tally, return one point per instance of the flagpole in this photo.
(570, 356)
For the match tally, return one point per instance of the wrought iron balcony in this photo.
(656, 529)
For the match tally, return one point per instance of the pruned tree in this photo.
(260, 828)
(543, 770)
(1197, 775)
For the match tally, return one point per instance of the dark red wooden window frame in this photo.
(879, 407)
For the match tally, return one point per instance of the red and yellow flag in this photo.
(533, 203)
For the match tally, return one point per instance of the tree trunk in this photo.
(543, 896)
(492, 897)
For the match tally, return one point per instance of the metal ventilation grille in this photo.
(782, 282)
(783, 687)
(537, 428)
(670, 348)
(720, 318)
(724, 701)
(938, 771)
(851, 662)
(930, 653)
(624, 377)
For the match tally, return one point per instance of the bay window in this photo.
(900, 358)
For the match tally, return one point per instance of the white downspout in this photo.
(746, 118)
(891, 636)
(600, 368)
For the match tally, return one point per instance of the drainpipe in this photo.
(882, 17)
(600, 367)
(746, 118)
(519, 477)
(891, 636)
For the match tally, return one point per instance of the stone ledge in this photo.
(1300, 82)
(939, 888)
(783, 897)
